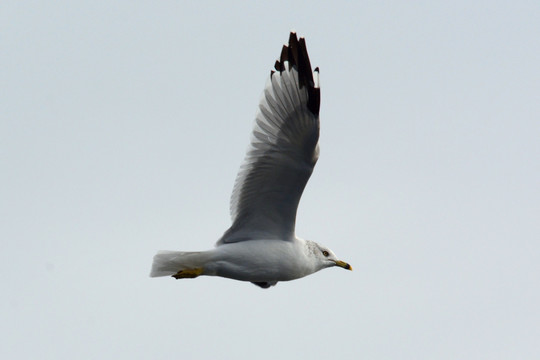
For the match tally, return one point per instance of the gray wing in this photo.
(282, 153)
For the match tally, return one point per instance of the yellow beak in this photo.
(343, 264)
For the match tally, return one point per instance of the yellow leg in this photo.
(188, 273)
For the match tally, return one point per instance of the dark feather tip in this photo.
(295, 53)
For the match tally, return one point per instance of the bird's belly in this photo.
(258, 261)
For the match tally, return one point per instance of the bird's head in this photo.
(327, 258)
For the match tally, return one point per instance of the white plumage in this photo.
(261, 245)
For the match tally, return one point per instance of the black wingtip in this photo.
(295, 53)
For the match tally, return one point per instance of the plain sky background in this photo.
(123, 124)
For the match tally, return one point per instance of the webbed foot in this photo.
(188, 273)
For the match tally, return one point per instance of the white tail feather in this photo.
(167, 263)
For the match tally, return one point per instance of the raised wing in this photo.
(282, 153)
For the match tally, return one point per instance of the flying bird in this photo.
(261, 245)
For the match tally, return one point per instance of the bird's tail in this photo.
(167, 263)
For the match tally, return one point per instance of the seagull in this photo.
(261, 246)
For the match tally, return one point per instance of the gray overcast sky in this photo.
(123, 124)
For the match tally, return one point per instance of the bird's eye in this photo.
(325, 253)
